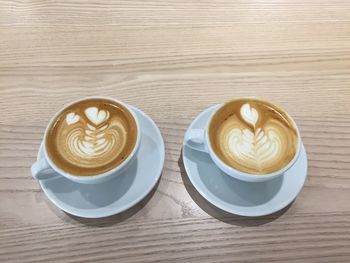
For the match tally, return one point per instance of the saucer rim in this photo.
(97, 213)
(225, 208)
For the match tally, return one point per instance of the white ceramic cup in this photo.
(45, 168)
(198, 139)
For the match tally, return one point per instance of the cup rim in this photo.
(107, 173)
(249, 175)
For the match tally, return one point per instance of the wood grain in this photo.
(173, 59)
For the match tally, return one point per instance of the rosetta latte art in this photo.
(253, 136)
(94, 139)
(256, 148)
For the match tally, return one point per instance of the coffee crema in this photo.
(91, 137)
(253, 136)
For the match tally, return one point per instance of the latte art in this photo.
(253, 138)
(256, 150)
(92, 137)
(89, 141)
(90, 144)
(249, 115)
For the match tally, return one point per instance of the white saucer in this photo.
(235, 196)
(116, 195)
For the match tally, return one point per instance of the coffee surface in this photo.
(91, 137)
(253, 136)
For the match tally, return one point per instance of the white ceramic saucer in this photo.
(235, 196)
(116, 195)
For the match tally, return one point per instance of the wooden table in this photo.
(173, 59)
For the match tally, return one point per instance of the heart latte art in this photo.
(253, 136)
(91, 137)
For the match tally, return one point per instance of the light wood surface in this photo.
(173, 59)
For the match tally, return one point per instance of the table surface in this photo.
(173, 59)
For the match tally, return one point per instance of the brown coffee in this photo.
(91, 137)
(253, 136)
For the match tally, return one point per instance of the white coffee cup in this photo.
(45, 168)
(198, 139)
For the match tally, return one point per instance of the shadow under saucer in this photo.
(231, 191)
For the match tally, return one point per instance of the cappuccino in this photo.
(91, 137)
(253, 136)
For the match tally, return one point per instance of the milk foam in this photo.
(256, 149)
(251, 139)
(72, 118)
(249, 114)
(96, 116)
(91, 136)
(96, 139)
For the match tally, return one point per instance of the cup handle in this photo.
(42, 170)
(195, 139)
